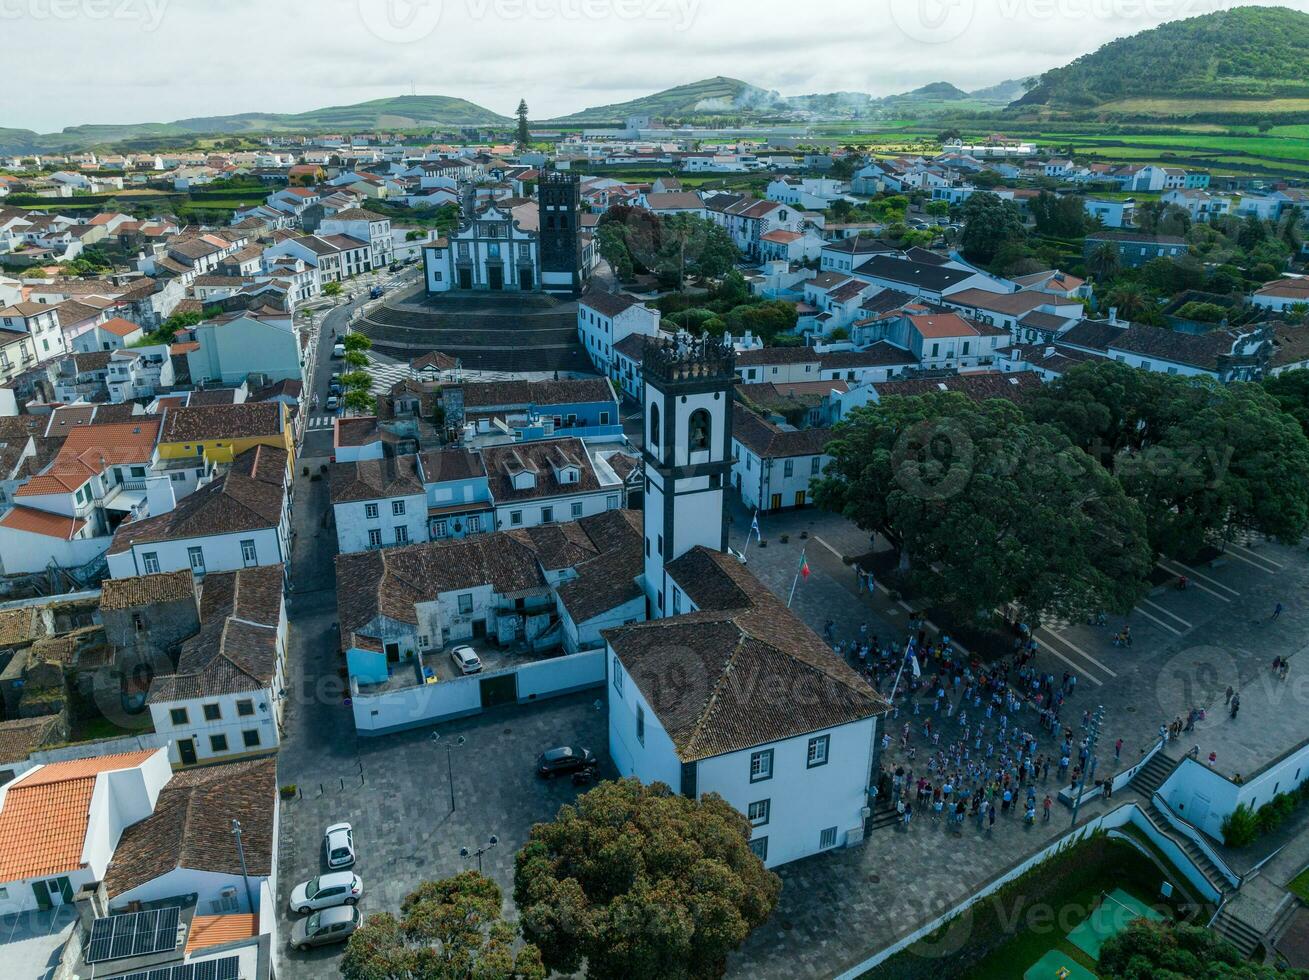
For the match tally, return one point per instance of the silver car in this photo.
(337, 888)
(334, 925)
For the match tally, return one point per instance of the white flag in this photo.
(754, 524)
(913, 665)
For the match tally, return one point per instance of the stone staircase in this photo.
(1244, 937)
(1152, 775)
(1210, 870)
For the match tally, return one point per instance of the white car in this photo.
(339, 843)
(325, 891)
(466, 660)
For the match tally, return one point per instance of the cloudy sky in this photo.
(122, 61)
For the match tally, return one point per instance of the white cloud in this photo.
(113, 61)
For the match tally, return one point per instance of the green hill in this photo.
(1245, 53)
(406, 112)
(717, 96)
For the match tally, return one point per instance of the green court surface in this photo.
(1052, 966)
(1110, 917)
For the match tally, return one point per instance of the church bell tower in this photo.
(688, 452)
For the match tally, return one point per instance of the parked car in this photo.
(562, 760)
(466, 660)
(325, 891)
(375, 292)
(333, 403)
(334, 925)
(339, 843)
(334, 388)
(338, 350)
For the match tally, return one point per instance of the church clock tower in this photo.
(688, 453)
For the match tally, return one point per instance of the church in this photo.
(723, 689)
(529, 247)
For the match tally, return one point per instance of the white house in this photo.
(365, 226)
(378, 503)
(39, 320)
(235, 345)
(1112, 213)
(606, 319)
(1282, 294)
(774, 465)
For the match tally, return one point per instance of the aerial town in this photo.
(715, 533)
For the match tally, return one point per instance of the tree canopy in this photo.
(640, 883)
(634, 240)
(988, 508)
(448, 930)
(989, 223)
(1148, 950)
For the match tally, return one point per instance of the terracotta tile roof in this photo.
(120, 327)
(355, 431)
(741, 635)
(89, 449)
(608, 304)
(21, 737)
(769, 441)
(18, 626)
(141, 590)
(544, 459)
(191, 826)
(42, 522)
(451, 463)
(494, 394)
(1014, 304)
(45, 814)
(942, 325)
(244, 421)
(434, 359)
(248, 497)
(371, 479)
(979, 387)
(215, 930)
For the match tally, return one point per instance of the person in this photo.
(1277, 610)
(1228, 699)
(1181, 583)
(1046, 804)
(1213, 758)
(1118, 750)
(1236, 705)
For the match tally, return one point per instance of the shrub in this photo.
(1240, 827)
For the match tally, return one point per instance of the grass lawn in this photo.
(1300, 885)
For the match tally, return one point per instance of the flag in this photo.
(804, 567)
(913, 665)
(754, 524)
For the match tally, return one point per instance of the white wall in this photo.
(222, 553)
(655, 759)
(208, 886)
(231, 724)
(375, 715)
(352, 524)
(24, 551)
(562, 507)
(560, 675)
(1203, 797)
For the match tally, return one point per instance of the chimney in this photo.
(159, 495)
(1049, 351)
(91, 902)
(1113, 315)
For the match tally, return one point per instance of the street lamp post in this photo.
(240, 850)
(450, 746)
(466, 853)
(1093, 735)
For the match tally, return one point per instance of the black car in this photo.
(564, 759)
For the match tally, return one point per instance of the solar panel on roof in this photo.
(166, 930)
(143, 932)
(124, 936)
(205, 970)
(133, 934)
(102, 933)
(229, 968)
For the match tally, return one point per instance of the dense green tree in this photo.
(640, 883)
(987, 508)
(1168, 277)
(524, 132)
(1132, 300)
(989, 222)
(360, 401)
(356, 341)
(1062, 217)
(1103, 262)
(448, 930)
(1148, 950)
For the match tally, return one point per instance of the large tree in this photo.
(640, 883)
(524, 133)
(1063, 217)
(989, 223)
(988, 508)
(448, 930)
(1148, 950)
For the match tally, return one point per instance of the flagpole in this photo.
(796, 581)
(896, 686)
(754, 529)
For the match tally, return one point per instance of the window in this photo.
(213, 712)
(178, 717)
(218, 743)
(245, 708)
(466, 603)
(760, 847)
(439, 529)
(401, 534)
(815, 466)
(748, 466)
(936, 349)
(654, 424)
(197, 557)
(640, 724)
(547, 515)
(677, 601)
(618, 677)
(761, 765)
(515, 517)
(248, 555)
(964, 351)
(370, 511)
(150, 562)
(818, 750)
(757, 812)
(661, 545)
(397, 508)
(788, 468)
(827, 838)
(699, 431)
(374, 538)
(250, 737)
(604, 418)
(577, 508)
(612, 502)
